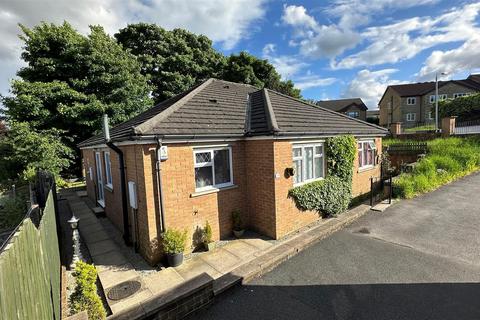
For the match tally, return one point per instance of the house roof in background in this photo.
(421, 88)
(341, 105)
(222, 109)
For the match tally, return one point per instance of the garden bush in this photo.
(331, 195)
(174, 241)
(447, 160)
(85, 296)
(465, 108)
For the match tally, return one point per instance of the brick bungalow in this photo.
(218, 147)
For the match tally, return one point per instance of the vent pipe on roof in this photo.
(106, 129)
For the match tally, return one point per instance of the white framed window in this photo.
(430, 115)
(108, 170)
(213, 168)
(410, 116)
(308, 162)
(366, 154)
(353, 114)
(458, 95)
(411, 101)
(441, 97)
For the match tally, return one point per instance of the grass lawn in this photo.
(427, 127)
(447, 159)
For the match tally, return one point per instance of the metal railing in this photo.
(416, 127)
(467, 127)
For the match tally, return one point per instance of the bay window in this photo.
(366, 154)
(213, 168)
(308, 162)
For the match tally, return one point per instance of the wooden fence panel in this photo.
(30, 270)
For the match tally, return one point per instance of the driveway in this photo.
(420, 259)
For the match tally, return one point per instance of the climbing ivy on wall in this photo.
(331, 195)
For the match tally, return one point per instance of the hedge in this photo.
(465, 108)
(85, 296)
(331, 195)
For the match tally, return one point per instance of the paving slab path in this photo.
(419, 259)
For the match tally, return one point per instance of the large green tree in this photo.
(246, 68)
(176, 60)
(173, 60)
(70, 80)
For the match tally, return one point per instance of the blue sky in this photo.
(330, 49)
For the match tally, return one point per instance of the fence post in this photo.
(448, 126)
(396, 129)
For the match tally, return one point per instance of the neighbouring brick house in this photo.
(353, 107)
(414, 103)
(216, 148)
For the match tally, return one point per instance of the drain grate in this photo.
(124, 290)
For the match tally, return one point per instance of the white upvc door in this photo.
(100, 190)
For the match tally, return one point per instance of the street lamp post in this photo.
(436, 99)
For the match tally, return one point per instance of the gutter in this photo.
(123, 188)
(158, 173)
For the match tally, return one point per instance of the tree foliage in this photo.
(465, 108)
(70, 80)
(173, 60)
(25, 150)
(176, 60)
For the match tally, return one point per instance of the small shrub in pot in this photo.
(174, 246)
(237, 223)
(208, 237)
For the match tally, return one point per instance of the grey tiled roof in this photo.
(222, 109)
(341, 104)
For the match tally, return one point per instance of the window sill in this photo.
(108, 187)
(306, 182)
(212, 190)
(101, 203)
(364, 169)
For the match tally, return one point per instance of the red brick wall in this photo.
(361, 178)
(259, 164)
(182, 210)
(288, 217)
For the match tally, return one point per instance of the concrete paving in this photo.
(416, 260)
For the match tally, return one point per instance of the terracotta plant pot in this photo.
(238, 233)
(209, 246)
(175, 259)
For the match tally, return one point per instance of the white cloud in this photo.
(370, 86)
(313, 81)
(225, 22)
(286, 66)
(316, 40)
(353, 13)
(405, 39)
(464, 58)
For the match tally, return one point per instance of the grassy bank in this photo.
(447, 160)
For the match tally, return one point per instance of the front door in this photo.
(100, 190)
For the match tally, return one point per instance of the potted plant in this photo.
(237, 223)
(174, 246)
(207, 237)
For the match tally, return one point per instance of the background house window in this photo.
(457, 95)
(411, 101)
(410, 116)
(366, 153)
(353, 114)
(441, 97)
(108, 170)
(308, 162)
(430, 115)
(213, 168)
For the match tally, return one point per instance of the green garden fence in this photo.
(30, 269)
